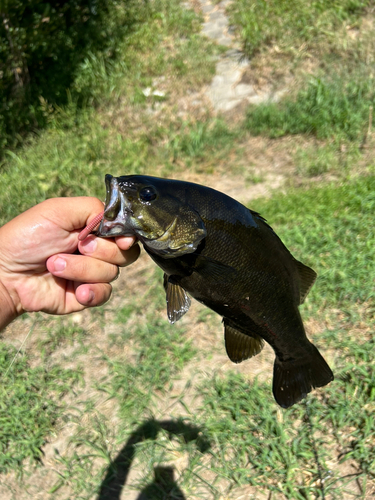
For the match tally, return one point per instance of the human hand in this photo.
(39, 267)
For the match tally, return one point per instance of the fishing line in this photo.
(314, 447)
(19, 350)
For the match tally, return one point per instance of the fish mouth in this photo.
(116, 220)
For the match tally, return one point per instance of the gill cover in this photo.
(182, 236)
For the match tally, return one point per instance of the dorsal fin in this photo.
(240, 346)
(178, 302)
(307, 277)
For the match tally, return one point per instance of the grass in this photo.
(160, 351)
(337, 109)
(29, 406)
(292, 452)
(88, 137)
(325, 109)
(248, 440)
(73, 162)
(61, 333)
(322, 64)
(296, 25)
(320, 159)
(154, 396)
(333, 224)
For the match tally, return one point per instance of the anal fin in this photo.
(240, 346)
(178, 301)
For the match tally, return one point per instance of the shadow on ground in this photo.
(163, 485)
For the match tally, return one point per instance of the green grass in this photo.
(89, 136)
(159, 353)
(339, 108)
(290, 24)
(145, 53)
(135, 410)
(73, 162)
(290, 453)
(61, 333)
(295, 453)
(91, 55)
(330, 228)
(319, 54)
(319, 159)
(29, 406)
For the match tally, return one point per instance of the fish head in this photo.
(151, 209)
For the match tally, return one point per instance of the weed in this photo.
(297, 453)
(324, 109)
(331, 225)
(29, 407)
(318, 159)
(160, 352)
(61, 332)
(291, 24)
(288, 452)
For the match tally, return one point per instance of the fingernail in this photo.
(89, 244)
(91, 297)
(59, 264)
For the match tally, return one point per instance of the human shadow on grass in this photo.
(163, 484)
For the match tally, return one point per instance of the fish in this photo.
(226, 256)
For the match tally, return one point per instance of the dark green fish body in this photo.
(227, 257)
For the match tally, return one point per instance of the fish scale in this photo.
(219, 252)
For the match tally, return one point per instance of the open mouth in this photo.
(116, 212)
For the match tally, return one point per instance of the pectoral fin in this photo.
(240, 346)
(178, 302)
(213, 270)
(307, 277)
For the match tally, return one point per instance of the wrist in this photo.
(8, 310)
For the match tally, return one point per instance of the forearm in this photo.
(7, 309)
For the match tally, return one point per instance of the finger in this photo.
(81, 268)
(125, 242)
(92, 295)
(107, 250)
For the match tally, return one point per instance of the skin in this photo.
(40, 268)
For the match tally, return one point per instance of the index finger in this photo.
(125, 242)
(107, 250)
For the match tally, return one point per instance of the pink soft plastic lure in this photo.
(85, 232)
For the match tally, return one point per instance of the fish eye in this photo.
(147, 194)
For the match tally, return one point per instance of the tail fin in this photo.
(293, 380)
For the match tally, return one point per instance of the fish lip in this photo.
(116, 220)
(109, 229)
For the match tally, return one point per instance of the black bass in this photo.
(227, 257)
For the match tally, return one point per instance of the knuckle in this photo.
(109, 251)
(114, 254)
